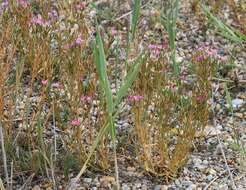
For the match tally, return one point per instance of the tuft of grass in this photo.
(226, 31)
(112, 105)
(169, 115)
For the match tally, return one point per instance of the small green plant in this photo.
(167, 116)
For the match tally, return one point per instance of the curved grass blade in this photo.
(134, 20)
(130, 78)
(109, 124)
(226, 31)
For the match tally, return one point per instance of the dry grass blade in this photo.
(4, 156)
(1, 185)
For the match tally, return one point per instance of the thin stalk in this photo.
(115, 153)
(4, 155)
(1, 184)
(55, 148)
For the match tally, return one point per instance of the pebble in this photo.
(138, 185)
(212, 171)
(160, 187)
(177, 182)
(125, 187)
(239, 115)
(187, 183)
(209, 177)
(36, 187)
(87, 180)
(144, 187)
(218, 107)
(205, 162)
(192, 187)
(131, 169)
(236, 103)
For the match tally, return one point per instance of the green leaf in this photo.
(100, 61)
(134, 20)
(131, 76)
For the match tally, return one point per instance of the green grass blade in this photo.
(131, 76)
(169, 21)
(134, 20)
(228, 99)
(103, 131)
(226, 31)
(100, 61)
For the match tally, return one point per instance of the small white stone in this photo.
(236, 103)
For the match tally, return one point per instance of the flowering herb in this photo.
(75, 122)
(23, 3)
(44, 82)
(135, 98)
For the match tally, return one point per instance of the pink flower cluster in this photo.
(23, 3)
(53, 15)
(113, 32)
(156, 49)
(201, 99)
(44, 82)
(38, 20)
(135, 98)
(53, 85)
(4, 6)
(75, 122)
(200, 58)
(208, 51)
(86, 99)
(77, 42)
(80, 5)
(56, 85)
(183, 75)
(172, 87)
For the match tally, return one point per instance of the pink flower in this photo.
(53, 15)
(56, 85)
(172, 87)
(208, 51)
(200, 58)
(40, 21)
(183, 75)
(4, 6)
(67, 46)
(135, 98)
(212, 52)
(157, 46)
(114, 32)
(23, 3)
(222, 58)
(81, 5)
(78, 41)
(201, 99)
(156, 49)
(75, 122)
(86, 99)
(44, 82)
